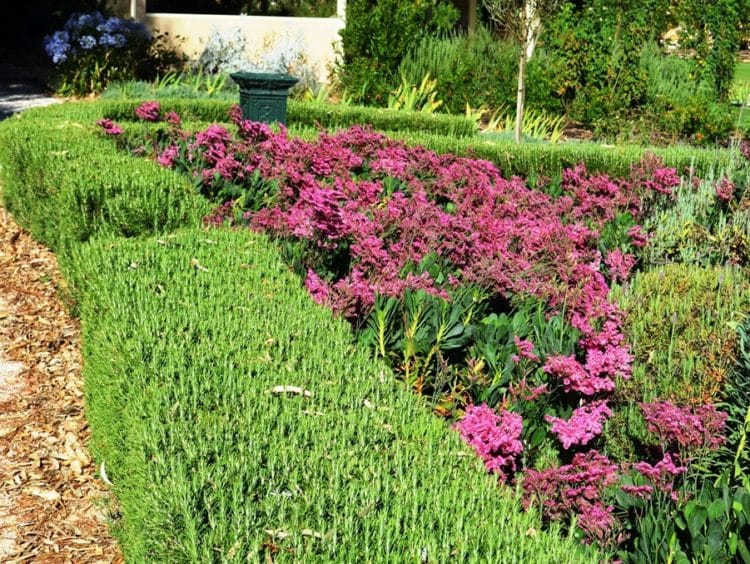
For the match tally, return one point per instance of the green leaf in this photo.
(697, 520)
(716, 509)
(538, 437)
(742, 551)
(715, 541)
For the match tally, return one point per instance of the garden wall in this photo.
(319, 35)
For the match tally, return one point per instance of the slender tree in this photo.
(522, 21)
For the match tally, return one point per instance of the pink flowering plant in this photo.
(486, 296)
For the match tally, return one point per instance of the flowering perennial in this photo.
(685, 427)
(496, 438)
(86, 32)
(576, 489)
(110, 127)
(584, 425)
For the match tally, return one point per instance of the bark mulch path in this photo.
(52, 507)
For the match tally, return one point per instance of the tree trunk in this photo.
(520, 94)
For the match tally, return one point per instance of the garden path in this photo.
(20, 89)
(52, 508)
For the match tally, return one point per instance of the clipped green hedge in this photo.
(440, 133)
(336, 116)
(66, 184)
(185, 339)
(184, 335)
(309, 114)
(535, 159)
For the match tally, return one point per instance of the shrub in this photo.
(538, 160)
(677, 319)
(676, 104)
(332, 116)
(714, 32)
(92, 51)
(479, 70)
(53, 183)
(255, 429)
(707, 223)
(226, 53)
(378, 35)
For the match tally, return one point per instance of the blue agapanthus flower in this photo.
(58, 46)
(112, 40)
(84, 32)
(80, 22)
(87, 42)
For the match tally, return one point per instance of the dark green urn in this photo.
(263, 95)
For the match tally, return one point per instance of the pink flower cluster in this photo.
(390, 206)
(576, 489)
(525, 350)
(496, 438)
(110, 127)
(619, 264)
(584, 425)
(149, 111)
(661, 475)
(724, 189)
(686, 427)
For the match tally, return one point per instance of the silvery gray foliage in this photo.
(225, 53)
(287, 55)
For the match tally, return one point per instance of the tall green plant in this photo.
(377, 36)
(522, 20)
(596, 45)
(478, 69)
(713, 31)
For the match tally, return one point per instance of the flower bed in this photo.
(486, 296)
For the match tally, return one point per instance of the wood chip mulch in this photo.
(52, 506)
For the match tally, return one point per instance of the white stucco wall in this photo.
(319, 35)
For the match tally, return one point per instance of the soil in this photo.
(52, 506)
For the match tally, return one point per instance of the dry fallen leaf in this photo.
(291, 390)
(197, 265)
(47, 495)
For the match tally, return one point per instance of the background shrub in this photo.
(479, 70)
(378, 34)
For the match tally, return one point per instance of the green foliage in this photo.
(596, 46)
(54, 183)
(713, 31)
(463, 351)
(121, 107)
(700, 228)
(175, 85)
(677, 105)
(713, 526)
(415, 98)
(543, 159)
(378, 34)
(237, 421)
(611, 82)
(536, 125)
(333, 116)
(677, 322)
(479, 70)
